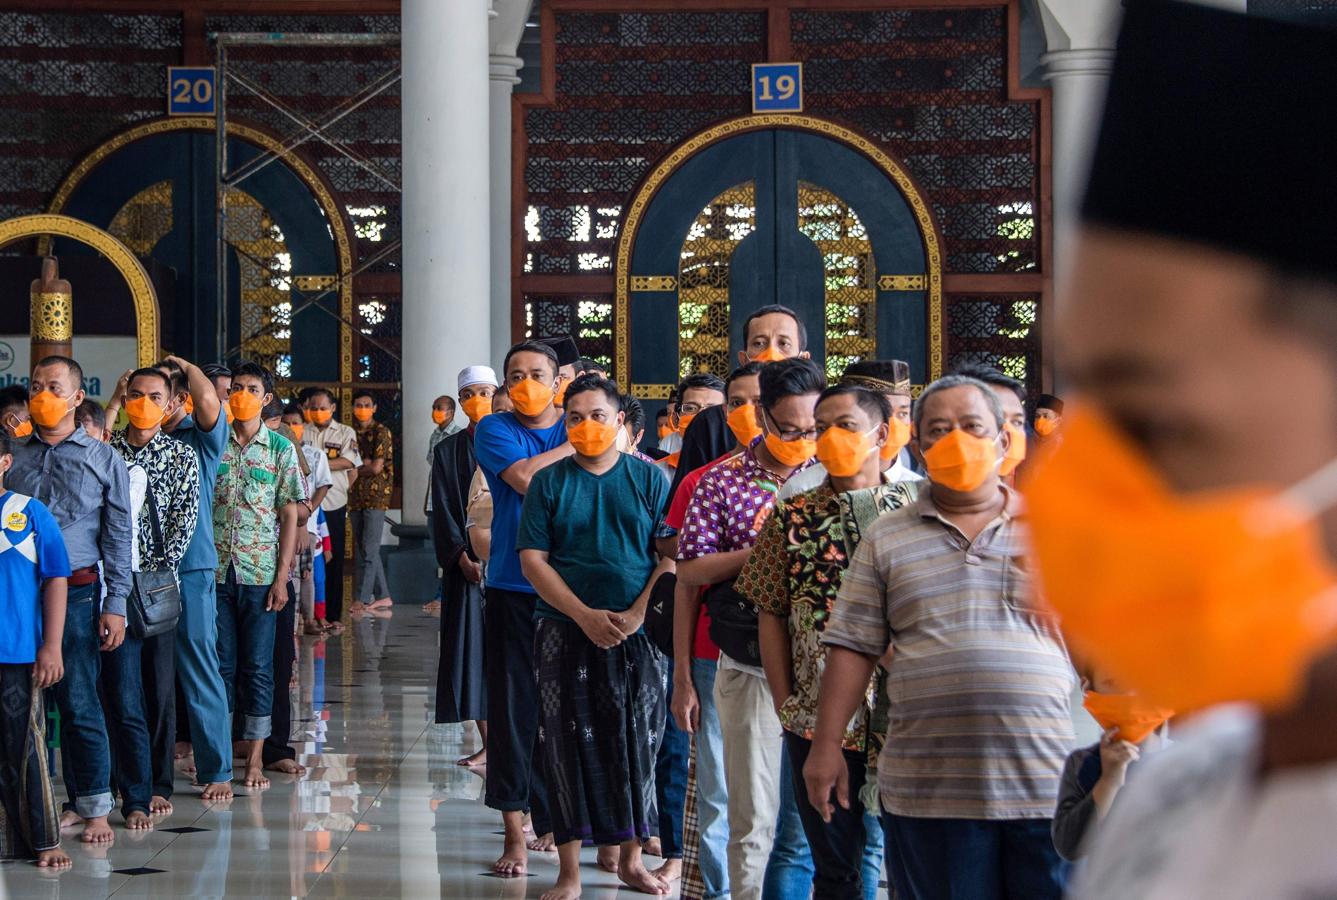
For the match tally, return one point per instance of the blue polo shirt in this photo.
(31, 551)
(500, 441)
(208, 447)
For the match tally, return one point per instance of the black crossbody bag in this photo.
(155, 599)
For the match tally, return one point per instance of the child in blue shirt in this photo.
(33, 565)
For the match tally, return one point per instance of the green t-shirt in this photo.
(598, 530)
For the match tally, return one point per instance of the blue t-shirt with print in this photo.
(208, 447)
(31, 551)
(500, 441)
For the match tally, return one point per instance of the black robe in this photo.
(460, 691)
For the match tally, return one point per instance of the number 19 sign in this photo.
(190, 90)
(777, 87)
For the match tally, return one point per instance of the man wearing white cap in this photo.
(460, 691)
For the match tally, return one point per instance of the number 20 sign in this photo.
(777, 87)
(190, 90)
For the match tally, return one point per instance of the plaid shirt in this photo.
(254, 483)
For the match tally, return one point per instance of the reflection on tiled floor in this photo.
(382, 812)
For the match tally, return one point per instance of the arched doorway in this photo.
(776, 209)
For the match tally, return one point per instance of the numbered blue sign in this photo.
(777, 87)
(190, 91)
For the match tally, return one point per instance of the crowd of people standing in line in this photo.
(150, 581)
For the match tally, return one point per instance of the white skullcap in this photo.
(476, 375)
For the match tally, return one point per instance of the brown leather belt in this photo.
(82, 577)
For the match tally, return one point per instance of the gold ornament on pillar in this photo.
(52, 330)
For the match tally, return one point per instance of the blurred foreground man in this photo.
(1196, 584)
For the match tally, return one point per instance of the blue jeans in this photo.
(872, 855)
(85, 759)
(789, 870)
(712, 792)
(246, 645)
(122, 691)
(671, 779)
(199, 678)
(940, 859)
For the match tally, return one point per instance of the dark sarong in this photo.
(601, 722)
(461, 692)
(28, 821)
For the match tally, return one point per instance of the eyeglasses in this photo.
(790, 436)
(689, 409)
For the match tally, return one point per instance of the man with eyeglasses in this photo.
(695, 393)
(724, 517)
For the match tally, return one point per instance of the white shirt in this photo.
(1199, 822)
(139, 488)
(320, 477)
(336, 440)
(815, 474)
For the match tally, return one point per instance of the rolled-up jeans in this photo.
(85, 759)
(205, 700)
(246, 653)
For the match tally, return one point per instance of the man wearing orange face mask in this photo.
(979, 685)
(568, 356)
(84, 484)
(339, 444)
(166, 524)
(1215, 576)
(368, 502)
(1011, 394)
(695, 394)
(511, 449)
(593, 575)
(461, 689)
(14, 411)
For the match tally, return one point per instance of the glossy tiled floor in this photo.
(382, 812)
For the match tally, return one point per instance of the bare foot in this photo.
(54, 858)
(542, 843)
(653, 847)
(70, 820)
(137, 820)
(218, 791)
(636, 876)
(381, 603)
(669, 872)
(431, 606)
(473, 759)
(357, 608)
(608, 858)
(514, 860)
(97, 831)
(160, 806)
(287, 767)
(182, 750)
(312, 628)
(253, 778)
(188, 766)
(566, 888)
(336, 627)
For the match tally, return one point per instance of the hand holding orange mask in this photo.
(1132, 715)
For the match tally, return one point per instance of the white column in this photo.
(1079, 80)
(446, 319)
(502, 78)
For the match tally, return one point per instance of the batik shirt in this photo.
(254, 483)
(373, 491)
(174, 478)
(794, 572)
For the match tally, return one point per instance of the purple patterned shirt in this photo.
(729, 506)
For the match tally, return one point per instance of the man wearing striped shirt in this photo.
(978, 683)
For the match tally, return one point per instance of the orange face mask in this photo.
(770, 354)
(961, 461)
(477, 407)
(790, 453)
(189, 405)
(1045, 426)
(665, 431)
(843, 452)
(684, 420)
(319, 417)
(1016, 449)
(559, 398)
(363, 413)
(898, 435)
(143, 413)
(243, 405)
(297, 430)
(743, 423)
(47, 409)
(16, 428)
(1189, 600)
(1133, 716)
(531, 397)
(591, 438)
(439, 416)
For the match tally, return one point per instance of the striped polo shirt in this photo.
(979, 724)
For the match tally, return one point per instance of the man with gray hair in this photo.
(980, 684)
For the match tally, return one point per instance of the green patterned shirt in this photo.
(254, 483)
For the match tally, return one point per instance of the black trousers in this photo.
(158, 659)
(337, 521)
(837, 846)
(515, 776)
